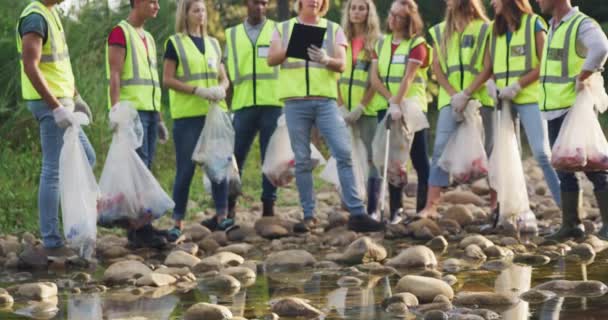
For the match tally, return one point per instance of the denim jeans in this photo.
(247, 122)
(186, 132)
(149, 121)
(301, 116)
(569, 181)
(536, 133)
(51, 141)
(446, 125)
(366, 126)
(487, 119)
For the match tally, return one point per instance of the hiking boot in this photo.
(173, 234)
(572, 227)
(305, 225)
(267, 208)
(602, 203)
(213, 225)
(364, 223)
(146, 237)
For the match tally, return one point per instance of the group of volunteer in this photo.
(364, 91)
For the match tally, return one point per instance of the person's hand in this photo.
(343, 111)
(63, 117)
(510, 92)
(163, 133)
(459, 101)
(318, 55)
(353, 116)
(82, 106)
(581, 84)
(394, 111)
(492, 90)
(216, 93)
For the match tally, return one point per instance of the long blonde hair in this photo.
(322, 12)
(372, 26)
(181, 16)
(457, 19)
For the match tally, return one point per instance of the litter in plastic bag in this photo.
(79, 191)
(399, 150)
(234, 181)
(581, 144)
(279, 163)
(464, 156)
(215, 146)
(129, 190)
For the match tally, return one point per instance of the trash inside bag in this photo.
(399, 150)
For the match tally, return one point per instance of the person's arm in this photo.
(116, 59)
(377, 83)
(591, 36)
(410, 74)
(171, 82)
(368, 96)
(276, 53)
(442, 79)
(31, 54)
(339, 100)
(482, 77)
(223, 78)
(337, 63)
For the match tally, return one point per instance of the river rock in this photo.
(114, 252)
(223, 283)
(294, 307)
(337, 219)
(453, 265)
(414, 257)
(531, 259)
(462, 197)
(6, 300)
(449, 226)
(591, 288)
(483, 299)
(497, 265)
(33, 258)
(156, 280)
(38, 290)
(245, 275)
(477, 239)
(207, 264)
(179, 258)
(9, 245)
(423, 229)
(474, 252)
(376, 269)
(584, 250)
(272, 227)
(435, 315)
(424, 288)
(229, 259)
(188, 247)
(241, 249)
(196, 232)
(450, 279)
(40, 310)
(362, 251)
(208, 311)
(480, 187)
(349, 282)
(438, 244)
(406, 298)
(537, 296)
(497, 252)
(459, 213)
(339, 237)
(289, 260)
(122, 271)
(209, 245)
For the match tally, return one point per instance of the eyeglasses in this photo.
(394, 15)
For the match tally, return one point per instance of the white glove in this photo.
(163, 133)
(510, 92)
(216, 93)
(318, 55)
(354, 115)
(63, 117)
(459, 101)
(581, 84)
(395, 111)
(343, 111)
(492, 90)
(82, 106)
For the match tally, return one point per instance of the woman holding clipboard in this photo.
(400, 71)
(310, 91)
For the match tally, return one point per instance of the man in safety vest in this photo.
(576, 47)
(47, 86)
(132, 75)
(255, 101)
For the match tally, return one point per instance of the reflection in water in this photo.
(84, 307)
(512, 282)
(122, 306)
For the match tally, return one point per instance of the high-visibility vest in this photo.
(464, 61)
(512, 60)
(392, 67)
(254, 83)
(139, 77)
(55, 64)
(560, 65)
(195, 69)
(355, 81)
(299, 78)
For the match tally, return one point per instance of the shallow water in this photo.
(320, 287)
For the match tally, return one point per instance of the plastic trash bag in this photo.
(464, 156)
(360, 166)
(581, 144)
(279, 161)
(215, 146)
(414, 117)
(129, 190)
(399, 150)
(79, 191)
(234, 181)
(507, 176)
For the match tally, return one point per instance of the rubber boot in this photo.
(602, 203)
(572, 226)
(395, 195)
(232, 206)
(267, 208)
(373, 194)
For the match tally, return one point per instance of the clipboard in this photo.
(302, 37)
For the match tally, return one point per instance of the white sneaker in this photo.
(526, 222)
(396, 220)
(375, 216)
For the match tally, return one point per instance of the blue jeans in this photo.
(149, 121)
(51, 141)
(301, 116)
(186, 132)
(247, 122)
(569, 181)
(536, 134)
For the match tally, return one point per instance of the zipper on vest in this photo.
(255, 89)
(153, 86)
(508, 56)
(460, 61)
(350, 83)
(388, 72)
(307, 80)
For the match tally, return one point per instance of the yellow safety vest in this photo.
(464, 61)
(513, 60)
(55, 63)
(392, 67)
(299, 78)
(561, 64)
(254, 82)
(139, 77)
(355, 81)
(195, 69)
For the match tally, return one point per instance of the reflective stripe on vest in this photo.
(254, 82)
(355, 81)
(517, 58)
(55, 64)
(560, 65)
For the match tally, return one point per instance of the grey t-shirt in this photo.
(34, 23)
(253, 32)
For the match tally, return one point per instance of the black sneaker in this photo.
(146, 237)
(173, 234)
(226, 224)
(210, 223)
(364, 223)
(305, 225)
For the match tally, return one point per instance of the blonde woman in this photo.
(196, 78)
(310, 91)
(458, 49)
(356, 97)
(400, 71)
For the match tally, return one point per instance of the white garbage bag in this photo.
(399, 150)
(413, 115)
(79, 191)
(234, 181)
